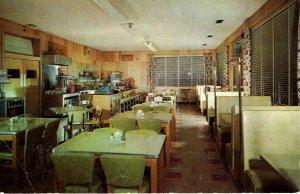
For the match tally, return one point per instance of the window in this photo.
(274, 58)
(179, 71)
(17, 44)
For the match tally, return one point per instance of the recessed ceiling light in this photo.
(209, 36)
(204, 44)
(219, 21)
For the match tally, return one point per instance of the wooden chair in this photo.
(124, 173)
(76, 121)
(74, 173)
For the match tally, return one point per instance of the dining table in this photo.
(166, 119)
(172, 111)
(14, 131)
(97, 143)
(287, 166)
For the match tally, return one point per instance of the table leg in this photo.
(161, 172)
(168, 143)
(173, 111)
(152, 163)
(15, 140)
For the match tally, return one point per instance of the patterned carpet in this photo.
(195, 164)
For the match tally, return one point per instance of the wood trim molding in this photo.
(21, 34)
(19, 56)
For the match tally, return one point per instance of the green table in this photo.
(166, 119)
(99, 143)
(13, 132)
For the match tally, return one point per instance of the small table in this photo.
(14, 132)
(166, 124)
(98, 143)
(287, 166)
(65, 110)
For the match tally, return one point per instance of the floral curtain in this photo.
(247, 62)
(150, 79)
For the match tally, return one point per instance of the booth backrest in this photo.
(248, 103)
(270, 129)
(210, 97)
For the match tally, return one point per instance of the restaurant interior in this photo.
(152, 96)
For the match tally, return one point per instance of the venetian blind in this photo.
(274, 61)
(179, 71)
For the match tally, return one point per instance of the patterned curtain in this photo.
(209, 66)
(225, 72)
(150, 78)
(247, 62)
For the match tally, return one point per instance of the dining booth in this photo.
(270, 151)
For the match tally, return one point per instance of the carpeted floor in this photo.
(195, 165)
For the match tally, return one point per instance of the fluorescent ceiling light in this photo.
(150, 46)
(110, 10)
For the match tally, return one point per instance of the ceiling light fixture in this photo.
(150, 46)
(110, 10)
(219, 21)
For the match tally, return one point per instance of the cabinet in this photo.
(24, 82)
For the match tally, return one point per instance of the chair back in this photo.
(162, 108)
(150, 124)
(144, 108)
(33, 137)
(105, 115)
(74, 168)
(50, 135)
(125, 124)
(106, 130)
(123, 170)
(77, 116)
(141, 132)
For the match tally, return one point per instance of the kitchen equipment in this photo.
(57, 60)
(12, 106)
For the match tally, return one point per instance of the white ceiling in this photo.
(170, 24)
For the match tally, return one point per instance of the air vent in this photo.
(219, 21)
(209, 36)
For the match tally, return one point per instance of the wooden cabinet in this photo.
(24, 82)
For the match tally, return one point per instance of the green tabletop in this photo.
(99, 143)
(25, 123)
(65, 110)
(165, 117)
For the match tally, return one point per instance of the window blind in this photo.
(179, 71)
(220, 68)
(274, 58)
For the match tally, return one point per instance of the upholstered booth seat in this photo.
(142, 132)
(107, 130)
(223, 137)
(263, 181)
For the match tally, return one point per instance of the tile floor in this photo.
(195, 164)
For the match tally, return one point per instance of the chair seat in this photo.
(97, 187)
(145, 188)
(6, 155)
(142, 132)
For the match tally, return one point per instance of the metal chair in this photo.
(49, 139)
(150, 124)
(74, 173)
(124, 124)
(124, 173)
